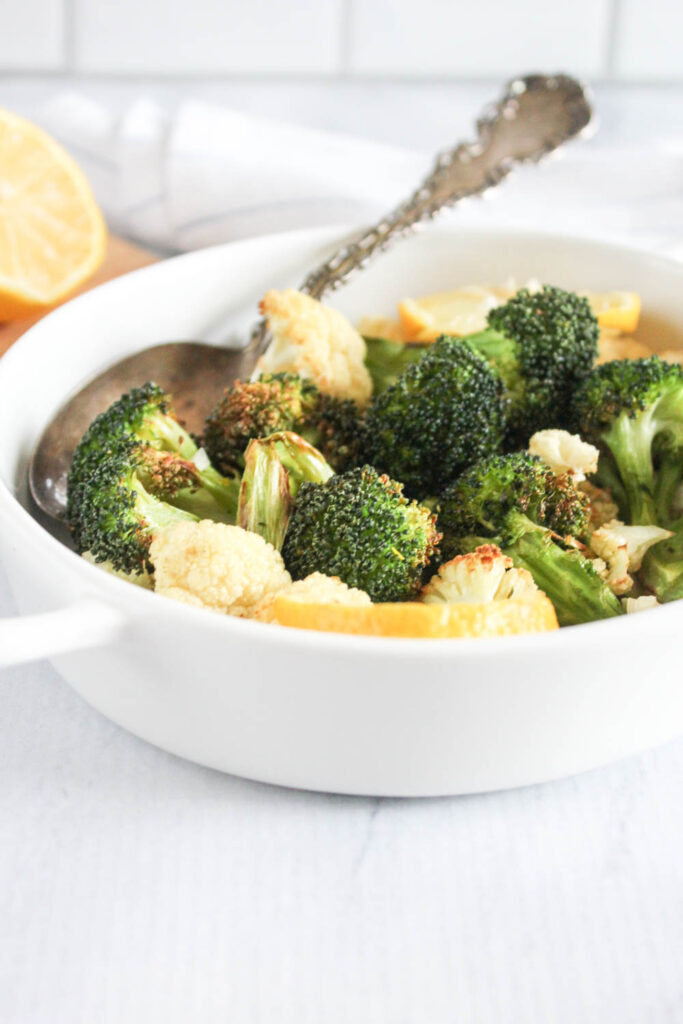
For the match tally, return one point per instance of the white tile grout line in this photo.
(613, 37)
(69, 36)
(345, 37)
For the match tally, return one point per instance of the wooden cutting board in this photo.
(121, 257)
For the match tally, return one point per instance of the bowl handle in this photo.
(74, 628)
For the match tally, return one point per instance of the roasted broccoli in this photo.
(359, 526)
(275, 468)
(277, 402)
(516, 502)
(440, 416)
(632, 409)
(543, 345)
(137, 469)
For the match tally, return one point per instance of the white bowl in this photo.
(312, 710)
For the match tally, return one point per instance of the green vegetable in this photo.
(275, 468)
(543, 345)
(359, 526)
(633, 411)
(132, 473)
(279, 402)
(516, 502)
(386, 360)
(662, 570)
(440, 416)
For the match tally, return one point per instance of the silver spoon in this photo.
(536, 115)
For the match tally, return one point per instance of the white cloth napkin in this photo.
(204, 174)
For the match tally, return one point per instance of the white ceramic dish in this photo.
(305, 709)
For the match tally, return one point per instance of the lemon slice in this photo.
(381, 327)
(464, 311)
(52, 235)
(534, 614)
(459, 312)
(618, 310)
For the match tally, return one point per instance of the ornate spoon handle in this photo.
(537, 114)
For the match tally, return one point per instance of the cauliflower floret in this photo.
(314, 589)
(478, 577)
(211, 565)
(565, 453)
(623, 548)
(316, 342)
(601, 505)
(614, 569)
(639, 604)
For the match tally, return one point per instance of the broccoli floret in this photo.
(632, 409)
(543, 345)
(275, 468)
(134, 471)
(503, 483)
(359, 526)
(278, 402)
(386, 360)
(516, 502)
(440, 416)
(110, 512)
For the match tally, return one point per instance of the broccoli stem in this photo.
(216, 498)
(386, 360)
(155, 513)
(300, 459)
(265, 496)
(630, 441)
(668, 480)
(157, 426)
(675, 591)
(568, 579)
(501, 351)
(662, 570)
(608, 478)
(274, 469)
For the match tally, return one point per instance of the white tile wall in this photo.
(208, 36)
(623, 39)
(650, 39)
(474, 38)
(32, 35)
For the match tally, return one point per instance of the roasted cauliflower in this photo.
(565, 453)
(621, 549)
(211, 565)
(478, 577)
(316, 342)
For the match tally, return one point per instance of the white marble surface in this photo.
(136, 887)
